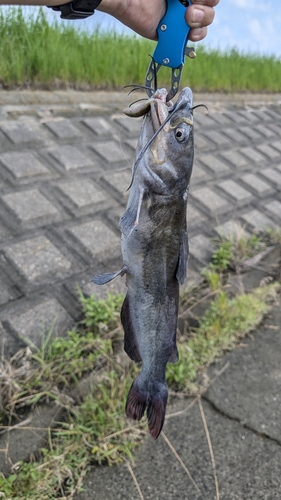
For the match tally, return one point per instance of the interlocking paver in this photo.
(234, 135)
(264, 130)
(99, 125)
(200, 143)
(110, 151)
(252, 154)
(119, 181)
(82, 193)
(258, 220)
(231, 229)
(96, 238)
(23, 166)
(268, 151)
(29, 205)
(211, 200)
(274, 207)
(234, 158)
(194, 216)
(250, 133)
(131, 125)
(199, 175)
(214, 164)
(221, 119)
(38, 261)
(272, 175)
(70, 157)
(201, 249)
(36, 322)
(216, 137)
(276, 145)
(258, 186)
(63, 129)
(237, 192)
(20, 133)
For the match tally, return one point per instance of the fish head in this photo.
(164, 155)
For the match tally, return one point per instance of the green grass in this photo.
(32, 52)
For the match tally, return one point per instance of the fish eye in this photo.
(181, 134)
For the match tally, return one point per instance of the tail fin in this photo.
(154, 401)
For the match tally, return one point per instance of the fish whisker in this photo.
(200, 106)
(138, 100)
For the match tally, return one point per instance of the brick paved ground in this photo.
(64, 171)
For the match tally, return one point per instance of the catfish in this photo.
(155, 248)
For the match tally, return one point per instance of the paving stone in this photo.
(132, 143)
(23, 166)
(119, 181)
(193, 215)
(221, 119)
(237, 117)
(109, 151)
(101, 292)
(29, 205)
(259, 187)
(211, 201)
(249, 115)
(264, 130)
(38, 261)
(268, 151)
(199, 175)
(131, 125)
(238, 193)
(70, 157)
(19, 132)
(216, 137)
(98, 125)
(204, 120)
(200, 144)
(234, 158)
(275, 208)
(276, 128)
(97, 239)
(262, 116)
(201, 248)
(276, 145)
(234, 135)
(274, 115)
(82, 193)
(36, 322)
(258, 220)
(231, 229)
(272, 175)
(217, 166)
(63, 129)
(250, 133)
(252, 154)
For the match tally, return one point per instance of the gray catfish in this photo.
(155, 248)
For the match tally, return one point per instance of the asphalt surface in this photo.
(65, 165)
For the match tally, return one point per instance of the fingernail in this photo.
(198, 15)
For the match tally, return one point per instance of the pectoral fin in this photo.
(183, 258)
(130, 340)
(102, 279)
(130, 219)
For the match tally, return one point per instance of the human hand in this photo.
(143, 16)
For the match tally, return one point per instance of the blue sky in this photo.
(249, 25)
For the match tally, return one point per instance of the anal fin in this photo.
(130, 341)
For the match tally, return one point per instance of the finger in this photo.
(199, 16)
(197, 34)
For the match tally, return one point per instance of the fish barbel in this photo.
(155, 248)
